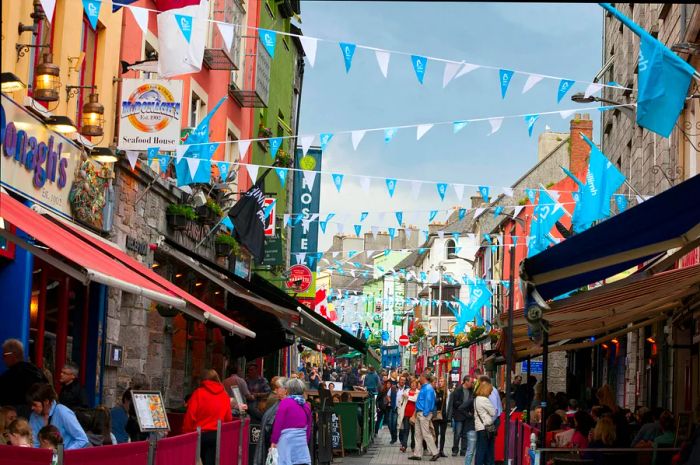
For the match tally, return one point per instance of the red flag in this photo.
(165, 5)
(320, 302)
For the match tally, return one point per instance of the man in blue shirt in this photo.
(46, 411)
(372, 381)
(425, 405)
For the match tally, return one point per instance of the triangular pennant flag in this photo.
(357, 138)
(275, 144)
(458, 126)
(459, 190)
(375, 231)
(497, 211)
(399, 217)
(282, 174)
(309, 45)
(305, 142)
(152, 154)
(566, 113)
(325, 138)
(301, 257)
(340, 228)
(517, 210)
(478, 211)
(268, 39)
(419, 65)
(484, 191)
(286, 219)
(133, 157)
(441, 234)
(363, 216)
(364, 183)
(48, 6)
(184, 22)
(358, 230)
(530, 120)
(193, 164)
(348, 51)
(389, 134)
(564, 87)
(504, 76)
(338, 180)
(141, 17)
(421, 129)
(243, 149)
(252, 172)
(415, 189)
(441, 189)
(451, 69)
(164, 161)
(309, 179)
(383, 61)
(495, 124)
(180, 151)
(466, 68)
(433, 214)
(226, 31)
(531, 194)
(392, 232)
(223, 170)
(92, 11)
(462, 213)
(408, 233)
(532, 79)
(592, 88)
(391, 186)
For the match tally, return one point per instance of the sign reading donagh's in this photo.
(150, 114)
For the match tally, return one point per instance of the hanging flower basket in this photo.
(209, 213)
(177, 216)
(225, 245)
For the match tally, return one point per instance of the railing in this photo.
(183, 449)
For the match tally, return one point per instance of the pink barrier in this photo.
(177, 450)
(133, 453)
(10, 455)
(246, 440)
(230, 441)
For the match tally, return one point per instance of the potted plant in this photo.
(225, 245)
(178, 215)
(283, 159)
(475, 332)
(209, 213)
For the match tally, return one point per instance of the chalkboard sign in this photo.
(337, 434)
(683, 423)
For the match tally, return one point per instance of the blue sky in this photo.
(554, 39)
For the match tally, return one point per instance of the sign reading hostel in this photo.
(150, 114)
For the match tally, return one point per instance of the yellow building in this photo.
(85, 57)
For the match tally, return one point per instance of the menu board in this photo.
(336, 434)
(150, 411)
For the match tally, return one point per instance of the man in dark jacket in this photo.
(19, 377)
(524, 394)
(461, 410)
(72, 393)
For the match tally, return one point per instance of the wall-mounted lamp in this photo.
(61, 124)
(75, 63)
(47, 80)
(11, 83)
(36, 15)
(93, 117)
(103, 155)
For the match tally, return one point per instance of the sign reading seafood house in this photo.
(150, 114)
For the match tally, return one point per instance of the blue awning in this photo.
(666, 221)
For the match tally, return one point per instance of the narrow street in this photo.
(383, 453)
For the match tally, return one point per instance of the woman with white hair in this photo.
(291, 431)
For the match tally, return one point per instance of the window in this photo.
(449, 294)
(86, 76)
(197, 109)
(231, 148)
(450, 248)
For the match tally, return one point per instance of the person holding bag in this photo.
(291, 430)
(483, 424)
(440, 416)
(407, 410)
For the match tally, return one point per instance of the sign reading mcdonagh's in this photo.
(150, 114)
(36, 162)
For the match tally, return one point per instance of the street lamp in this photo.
(580, 97)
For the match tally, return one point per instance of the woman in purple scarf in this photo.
(291, 431)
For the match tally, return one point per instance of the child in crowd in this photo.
(20, 433)
(50, 438)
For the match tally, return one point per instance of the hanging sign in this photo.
(414, 350)
(150, 114)
(300, 278)
(270, 220)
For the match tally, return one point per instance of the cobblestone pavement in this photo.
(383, 453)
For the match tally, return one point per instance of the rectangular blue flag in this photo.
(664, 79)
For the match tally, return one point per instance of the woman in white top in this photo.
(484, 411)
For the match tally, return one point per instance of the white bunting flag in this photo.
(478, 212)
(517, 210)
(566, 113)
(192, 164)
(375, 231)
(495, 124)
(508, 191)
(301, 256)
(592, 89)
(310, 44)
(252, 172)
(340, 227)
(383, 61)
(459, 190)
(141, 17)
(309, 179)
(532, 79)
(441, 234)
(243, 149)
(408, 233)
(352, 273)
(285, 219)
(421, 129)
(364, 183)
(415, 189)
(182, 34)
(357, 138)
(451, 69)
(335, 255)
(306, 142)
(180, 152)
(547, 128)
(132, 156)
(466, 68)
(48, 6)
(226, 31)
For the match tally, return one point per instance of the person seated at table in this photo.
(46, 411)
(99, 432)
(604, 435)
(554, 427)
(8, 414)
(50, 438)
(19, 433)
(666, 439)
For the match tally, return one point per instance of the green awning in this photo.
(352, 354)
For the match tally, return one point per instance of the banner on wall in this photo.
(150, 114)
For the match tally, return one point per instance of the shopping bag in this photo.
(272, 456)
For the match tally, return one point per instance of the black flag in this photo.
(248, 217)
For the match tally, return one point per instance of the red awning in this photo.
(87, 261)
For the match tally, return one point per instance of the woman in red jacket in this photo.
(209, 404)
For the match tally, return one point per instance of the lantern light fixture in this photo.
(61, 124)
(47, 80)
(93, 117)
(103, 155)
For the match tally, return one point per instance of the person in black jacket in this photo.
(19, 377)
(72, 393)
(461, 410)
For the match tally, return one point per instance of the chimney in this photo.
(579, 150)
(477, 201)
